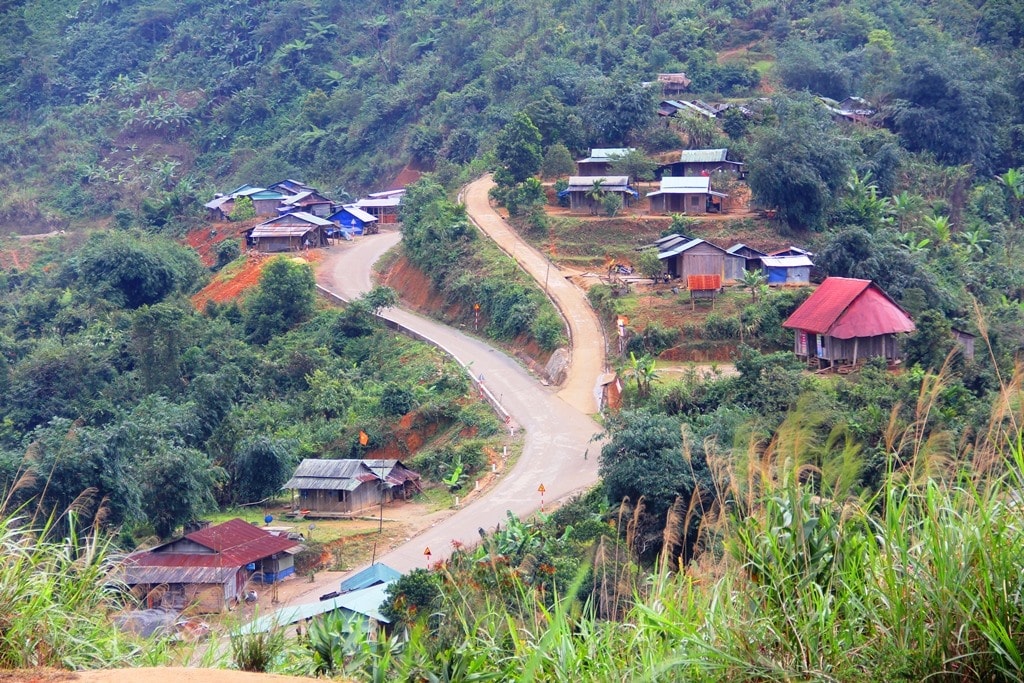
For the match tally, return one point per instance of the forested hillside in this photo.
(147, 106)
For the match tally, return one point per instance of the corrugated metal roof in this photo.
(298, 218)
(356, 212)
(786, 261)
(606, 154)
(281, 230)
(749, 251)
(371, 576)
(686, 184)
(697, 156)
(697, 109)
(704, 283)
(846, 308)
(585, 182)
(366, 603)
(133, 575)
(679, 249)
(387, 193)
(380, 202)
(347, 474)
(218, 202)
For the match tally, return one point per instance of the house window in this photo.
(695, 201)
(342, 496)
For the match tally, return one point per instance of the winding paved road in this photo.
(558, 426)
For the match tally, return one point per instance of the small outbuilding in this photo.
(354, 219)
(207, 570)
(698, 257)
(347, 486)
(290, 232)
(846, 321)
(690, 195)
(580, 186)
(673, 84)
(308, 201)
(600, 161)
(787, 270)
(749, 254)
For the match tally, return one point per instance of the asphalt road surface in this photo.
(558, 428)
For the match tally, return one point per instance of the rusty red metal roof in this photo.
(846, 308)
(234, 543)
(704, 282)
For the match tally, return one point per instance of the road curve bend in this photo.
(558, 427)
(581, 388)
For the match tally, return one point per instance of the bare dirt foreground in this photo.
(151, 675)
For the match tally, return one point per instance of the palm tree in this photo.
(974, 241)
(905, 206)
(754, 280)
(595, 194)
(1013, 181)
(642, 370)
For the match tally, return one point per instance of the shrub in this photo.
(243, 209)
(257, 651)
(557, 161)
(721, 327)
(481, 417)
(611, 203)
(227, 251)
(548, 329)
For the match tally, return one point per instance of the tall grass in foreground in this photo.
(55, 600)
(924, 580)
(54, 609)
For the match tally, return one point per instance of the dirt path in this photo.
(587, 338)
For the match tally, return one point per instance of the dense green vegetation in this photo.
(123, 402)
(439, 239)
(143, 107)
(767, 525)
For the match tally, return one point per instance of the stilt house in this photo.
(846, 321)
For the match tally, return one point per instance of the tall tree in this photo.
(798, 165)
(644, 456)
(518, 151)
(284, 298)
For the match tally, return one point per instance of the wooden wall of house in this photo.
(679, 203)
(206, 598)
(861, 348)
(846, 350)
(266, 207)
(273, 245)
(195, 598)
(702, 259)
(735, 267)
(366, 495)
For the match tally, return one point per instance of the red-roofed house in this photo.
(847, 320)
(207, 570)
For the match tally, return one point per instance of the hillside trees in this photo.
(645, 457)
(800, 164)
(953, 105)
(135, 271)
(284, 298)
(518, 151)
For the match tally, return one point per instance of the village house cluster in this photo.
(685, 183)
(299, 216)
